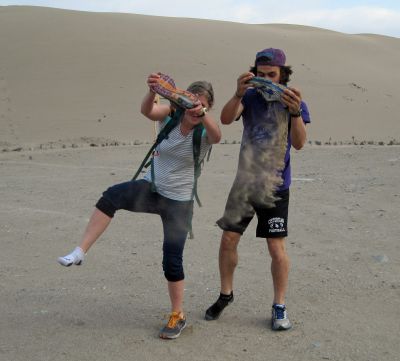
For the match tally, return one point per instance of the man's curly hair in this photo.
(286, 71)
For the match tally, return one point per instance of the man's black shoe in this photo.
(216, 309)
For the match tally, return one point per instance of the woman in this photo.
(173, 172)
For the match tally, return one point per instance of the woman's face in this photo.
(196, 120)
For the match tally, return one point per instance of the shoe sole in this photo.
(269, 90)
(280, 328)
(210, 318)
(265, 83)
(182, 101)
(181, 98)
(164, 337)
(68, 264)
(167, 89)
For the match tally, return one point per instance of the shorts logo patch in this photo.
(276, 224)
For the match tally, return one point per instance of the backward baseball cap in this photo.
(271, 56)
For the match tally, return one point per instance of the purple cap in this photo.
(271, 56)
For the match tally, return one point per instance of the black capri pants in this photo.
(176, 216)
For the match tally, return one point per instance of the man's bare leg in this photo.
(280, 275)
(279, 268)
(228, 260)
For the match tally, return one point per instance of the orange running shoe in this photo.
(174, 327)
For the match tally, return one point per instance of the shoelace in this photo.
(174, 318)
(280, 312)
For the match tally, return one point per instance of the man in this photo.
(248, 195)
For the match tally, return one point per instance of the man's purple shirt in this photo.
(255, 115)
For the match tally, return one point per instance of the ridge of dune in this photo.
(70, 74)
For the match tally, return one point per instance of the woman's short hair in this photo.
(203, 88)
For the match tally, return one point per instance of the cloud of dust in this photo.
(258, 175)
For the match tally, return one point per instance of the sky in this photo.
(354, 17)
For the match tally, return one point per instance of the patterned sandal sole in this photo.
(271, 91)
(166, 88)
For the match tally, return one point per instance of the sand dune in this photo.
(67, 74)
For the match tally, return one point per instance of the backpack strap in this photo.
(171, 123)
(197, 135)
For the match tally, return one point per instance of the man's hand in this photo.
(292, 99)
(242, 84)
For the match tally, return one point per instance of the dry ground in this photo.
(344, 247)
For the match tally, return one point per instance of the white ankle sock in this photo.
(75, 257)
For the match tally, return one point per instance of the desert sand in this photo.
(71, 85)
(344, 286)
(76, 77)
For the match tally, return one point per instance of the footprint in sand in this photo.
(356, 86)
(6, 109)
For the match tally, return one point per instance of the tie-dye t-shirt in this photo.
(260, 125)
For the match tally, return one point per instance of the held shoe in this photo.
(76, 257)
(269, 90)
(279, 319)
(167, 89)
(174, 327)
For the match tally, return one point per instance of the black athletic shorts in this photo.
(272, 222)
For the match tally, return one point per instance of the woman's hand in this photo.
(149, 108)
(197, 111)
(152, 80)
